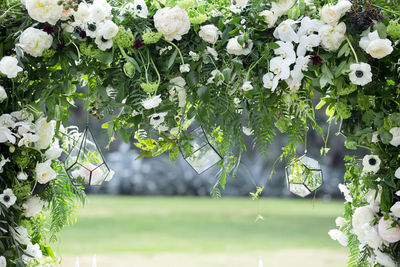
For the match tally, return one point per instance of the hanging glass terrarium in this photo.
(85, 164)
(197, 150)
(303, 176)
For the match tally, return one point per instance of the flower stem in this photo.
(155, 69)
(177, 48)
(388, 10)
(352, 49)
(253, 66)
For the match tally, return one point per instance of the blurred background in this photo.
(158, 213)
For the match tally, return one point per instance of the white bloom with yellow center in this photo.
(285, 31)
(270, 81)
(286, 51)
(279, 67)
(44, 10)
(44, 172)
(375, 46)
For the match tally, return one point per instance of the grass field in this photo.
(144, 231)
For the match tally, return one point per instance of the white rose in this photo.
(9, 67)
(340, 222)
(107, 30)
(369, 235)
(82, 13)
(395, 209)
(44, 172)
(3, 94)
(33, 250)
(384, 259)
(362, 215)
(282, 7)
(233, 47)
(172, 22)
(54, 152)
(395, 131)
(21, 235)
(45, 131)
(32, 206)
(44, 10)
(269, 17)
(379, 48)
(387, 231)
(339, 236)
(209, 33)
(3, 261)
(330, 15)
(34, 41)
(332, 36)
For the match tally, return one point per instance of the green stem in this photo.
(388, 10)
(155, 69)
(8, 10)
(145, 68)
(177, 48)
(253, 66)
(352, 49)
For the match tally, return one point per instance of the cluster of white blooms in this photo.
(137, 8)
(278, 9)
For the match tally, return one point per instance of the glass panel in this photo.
(314, 180)
(203, 159)
(299, 189)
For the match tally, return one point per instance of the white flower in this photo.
(384, 259)
(343, 6)
(7, 198)
(102, 43)
(375, 138)
(137, 8)
(22, 115)
(3, 261)
(269, 17)
(209, 33)
(371, 163)
(44, 172)
(233, 47)
(9, 67)
(22, 176)
(247, 131)
(294, 83)
(282, 7)
(300, 66)
(398, 193)
(374, 199)
(27, 139)
(21, 235)
(332, 36)
(369, 235)
(172, 22)
(331, 14)
(194, 56)
(6, 120)
(286, 51)
(157, 118)
(216, 77)
(212, 52)
(91, 28)
(6, 135)
(285, 31)
(360, 74)
(362, 215)
(82, 13)
(107, 29)
(388, 232)
(32, 206)
(54, 152)
(184, 68)
(375, 46)
(340, 222)
(397, 173)
(32, 251)
(270, 81)
(3, 94)
(3, 162)
(44, 10)
(279, 67)
(240, 3)
(152, 102)
(339, 236)
(34, 41)
(395, 209)
(45, 130)
(98, 12)
(395, 131)
(178, 90)
(309, 26)
(307, 43)
(247, 86)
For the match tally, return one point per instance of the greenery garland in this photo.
(239, 68)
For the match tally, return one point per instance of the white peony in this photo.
(172, 22)
(34, 41)
(152, 102)
(44, 10)
(360, 74)
(3, 94)
(362, 215)
(282, 7)
(22, 176)
(395, 131)
(3, 261)
(395, 209)
(269, 17)
(233, 47)
(247, 86)
(339, 236)
(45, 131)
(32, 206)
(44, 172)
(384, 259)
(388, 232)
(9, 67)
(340, 222)
(332, 36)
(371, 163)
(7, 198)
(107, 29)
(21, 235)
(285, 31)
(375, 46)
(209, 33)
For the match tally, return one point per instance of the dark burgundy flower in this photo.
(138, 44)
(60, 46)
(82, 34)
(245, 65)
(48, 29)
(316, 60)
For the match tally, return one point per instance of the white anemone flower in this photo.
(360, 74)
(7, 198)
(279, 67)
(152, 102)
(371, 163)
(270, 81)
(103, 44)
(307, 43)
(91, 28)
(157, 118)
(395, 131)
(286, 51)
(375, 46)
(285, 31)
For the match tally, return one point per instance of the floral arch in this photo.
(238, 68)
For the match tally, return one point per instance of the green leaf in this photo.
(172, 59)
(350, 144)
(347, 90)
(381, 28)
(125, 136)
(104, 57)
(203, 94)
(192, 78)
(345, 48)
(273, 45)
(227, 72)
(385, 136)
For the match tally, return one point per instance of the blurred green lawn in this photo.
(148, 225)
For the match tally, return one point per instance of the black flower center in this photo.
(156, 118)
(359, 73)
(104, 40)
(372, 161)
(139, 7)
(6, 198)
(91, 27)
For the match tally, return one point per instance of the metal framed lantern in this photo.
(85, 164)
(197, 150)
(303, 176)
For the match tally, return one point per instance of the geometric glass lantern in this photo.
(85, 165)
(198, 151)
(303, 176)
